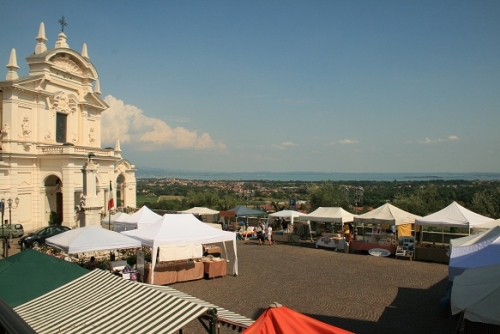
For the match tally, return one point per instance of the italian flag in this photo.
(111, 202)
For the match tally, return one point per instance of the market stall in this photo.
(331, 215)
(180, 231)
(481, 251)
(281, 319)
(476, 293)
(91, 239)
(454, 215)
(287, 234)
(379, 237)
(129, 222)
(100, 302)
(247, 213)
(206, 215)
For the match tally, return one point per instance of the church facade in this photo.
(50, 125)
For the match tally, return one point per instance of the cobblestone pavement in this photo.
(357, 292)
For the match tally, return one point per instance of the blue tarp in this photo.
(243, 211)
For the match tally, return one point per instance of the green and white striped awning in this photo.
(100, 302)
(225, 316)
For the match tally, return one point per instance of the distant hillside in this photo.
(148, 172)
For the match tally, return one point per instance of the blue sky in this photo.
(327, 86)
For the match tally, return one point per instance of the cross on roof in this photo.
(63, 23)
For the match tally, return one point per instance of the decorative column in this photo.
(90, 208)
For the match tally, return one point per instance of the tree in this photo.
(422, 202)
(328, 196)
(227, 202)
(487, 203)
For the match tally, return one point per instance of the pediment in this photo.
(65, 63)
(94, 100)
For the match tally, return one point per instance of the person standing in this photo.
(270, 235)
(92, 264)
(261, 230)
(347, 232)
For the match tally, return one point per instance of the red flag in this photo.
(111, 202)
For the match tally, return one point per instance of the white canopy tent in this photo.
(387, 214)
(200, 211)
(481, 251)
(474, 238)
(454, 215)
(476, 293)
(290, 214)
(329, 215)
(121, 215)
(143, 215)
(180, 230)
(486, 226)
(91, 239)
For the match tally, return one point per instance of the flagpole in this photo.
(109, 211)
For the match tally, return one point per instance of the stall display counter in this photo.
(433, 254)
(334, 242)
(212, 250)
(281, 236)
(215, 268)
(117, 266)
(359, 246)
(172, 272)
(374, 239)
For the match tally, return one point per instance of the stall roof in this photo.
(329, 215)
(454, 215)
(200, 211)
(29, 274)
(281, 319)
(143, 215)
(243, 211)
(386, 214)
(100, 302)
(225, 316)
(483, 251)
(91, 239)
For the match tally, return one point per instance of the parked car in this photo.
(37, 237)
(17, 230)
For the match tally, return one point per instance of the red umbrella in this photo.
(279, 319)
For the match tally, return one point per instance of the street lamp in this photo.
(357, 197)
(250, 194)
(10, 204)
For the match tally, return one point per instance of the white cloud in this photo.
(347, 141)
(284, 145)
(129, 124)
(279, 147)
(439, 140)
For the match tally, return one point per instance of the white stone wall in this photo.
(59, 81)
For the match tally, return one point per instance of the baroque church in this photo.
(50, 123)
